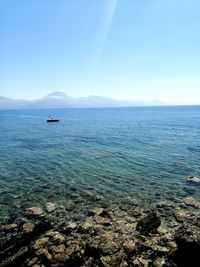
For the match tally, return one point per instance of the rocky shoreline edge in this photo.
(168, 235)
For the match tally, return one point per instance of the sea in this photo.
(98, 157)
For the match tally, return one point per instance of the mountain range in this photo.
(62, 100)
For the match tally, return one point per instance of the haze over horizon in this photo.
(121, 49)
(136, 102)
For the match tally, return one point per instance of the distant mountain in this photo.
(61, 100)
(54, 100)
(9, 103)
(98, 101)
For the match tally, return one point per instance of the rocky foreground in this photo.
(166, 236)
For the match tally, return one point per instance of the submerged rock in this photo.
(191, 202)
(189, 190)
(181, 215)
(102, 220)
(50, 207)
(87, 226)
(149, 224)
(99, 212)
(72, 226)
(193, 180)
(16, 196)
(34, 211)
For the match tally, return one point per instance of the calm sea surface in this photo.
(107, 156)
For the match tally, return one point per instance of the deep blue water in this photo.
(141, 154)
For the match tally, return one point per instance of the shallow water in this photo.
(109, 156)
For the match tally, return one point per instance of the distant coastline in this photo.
(61, 100)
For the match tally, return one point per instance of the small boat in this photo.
(52, 119)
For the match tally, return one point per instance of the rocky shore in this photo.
(168, 235)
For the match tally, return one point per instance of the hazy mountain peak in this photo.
(57, 95)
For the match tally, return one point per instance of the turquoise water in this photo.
(108, 156)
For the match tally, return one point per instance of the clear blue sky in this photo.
(124, 49)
